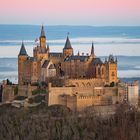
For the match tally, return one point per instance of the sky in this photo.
(70, 12)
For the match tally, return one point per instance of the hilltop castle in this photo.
(45, 64)
(76, 81)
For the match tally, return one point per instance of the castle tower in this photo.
(41, 51)
(67, 50)
(111, 67)
(42, 38)
(92, 51)
(22, 57)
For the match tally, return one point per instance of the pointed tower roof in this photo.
(92, 50)
(48, 48)
(116, 60)
(42, 32)
(22, 50)
(68, 44)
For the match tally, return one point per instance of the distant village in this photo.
(76, 81)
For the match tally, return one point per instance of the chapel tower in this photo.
(41, 51)
(42, 38)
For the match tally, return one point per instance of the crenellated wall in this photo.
(78, 98)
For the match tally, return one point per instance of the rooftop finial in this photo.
(116, 60)
(78, 53)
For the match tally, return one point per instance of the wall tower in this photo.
(111, 67)
(67, 50)
(22, 57)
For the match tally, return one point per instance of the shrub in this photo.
(112, 84)
(39, 91)
(16, 90)
(36, 99)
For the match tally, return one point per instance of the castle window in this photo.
(113, 74)
(102, 71)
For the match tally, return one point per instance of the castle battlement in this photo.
(88, 97)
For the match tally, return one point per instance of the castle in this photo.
(87, 80)
(45, 64)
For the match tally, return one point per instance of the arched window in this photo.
(99, 71)
(102, 71)
(113, 74)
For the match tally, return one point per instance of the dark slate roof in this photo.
(42, 32)
(52, 66)
(68, 44)
(56, 54)
(92, 48)
(32, 59)
(22, 50)
(43, 50)
(96, 61)
(111, 58)
(45, 64)
(76, 57)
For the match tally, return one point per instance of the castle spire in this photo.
(92, 48)
(105, 60)
(67, 50)
(42, 32)
(22, 50)
(68, 44)
(42, 38)
(92, 51)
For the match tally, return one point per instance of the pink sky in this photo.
(89, 12)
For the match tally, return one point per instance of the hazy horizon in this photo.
(76, 25)
(74, 12)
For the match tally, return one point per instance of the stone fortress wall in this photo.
(81, 93)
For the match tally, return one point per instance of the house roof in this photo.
(82, 59)
(32, 58)
(76, 57)
(52, 66)
(54, 54)
(96, 61)
(45, 64)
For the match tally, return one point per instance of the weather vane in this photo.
(68, 33)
